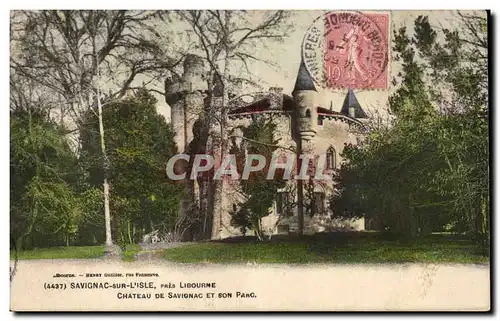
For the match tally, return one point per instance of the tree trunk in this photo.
(19, 243)
(219, 184)
(412, 219)
(300, 189)
(129, 232)
(484, 216)
(205, 183)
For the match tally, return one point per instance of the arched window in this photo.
(319, 203)
(331, 158)
(283, 202)
(308, 113)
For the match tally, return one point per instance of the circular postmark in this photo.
(348, 49)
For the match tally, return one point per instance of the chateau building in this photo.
(302, 123)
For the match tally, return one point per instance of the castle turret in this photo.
(175, 99)
(236, 87)
(351, 106)
(305, 98)
(184, 95)
(195, 86)
(192, 78)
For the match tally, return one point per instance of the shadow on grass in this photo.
(129, 254)
(63, 252)
(339, 247)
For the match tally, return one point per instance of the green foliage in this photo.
(258, 192)
(57, 197)
(429, 170)
(91, 227)
(130, 252)
(45, 209)
(138, 143)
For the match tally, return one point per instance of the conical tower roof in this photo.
(304, 80)
(351, 101)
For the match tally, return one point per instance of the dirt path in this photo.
(151, 251)
(163, 245)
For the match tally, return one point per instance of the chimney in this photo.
(276, 97)
(276, 90)
(236, 88)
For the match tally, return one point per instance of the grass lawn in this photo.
(75, 252)
(131, 250)
(359, 247)
(63, 252)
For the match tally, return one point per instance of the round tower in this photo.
(192, 78)
(194, 88)
(305, 98)
(175, 99)
(184, 95)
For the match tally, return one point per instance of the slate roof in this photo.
(324, 111)
(351, 100)
(263, 104)
(304, 80)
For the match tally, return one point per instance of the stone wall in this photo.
(335, 133)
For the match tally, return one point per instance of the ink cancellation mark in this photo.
(348, 49)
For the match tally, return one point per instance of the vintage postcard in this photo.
(249, 160)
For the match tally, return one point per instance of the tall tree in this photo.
(227, 41)
(257, 193)
(430, 169)
(45, 209)
(139, 143)
(78, 55)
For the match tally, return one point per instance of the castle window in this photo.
(308, 113)
(283, 203)
(331, 161)
(319, 202)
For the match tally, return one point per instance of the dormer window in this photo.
(352, 112)
(331, 158)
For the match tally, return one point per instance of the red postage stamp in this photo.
(355, 50)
